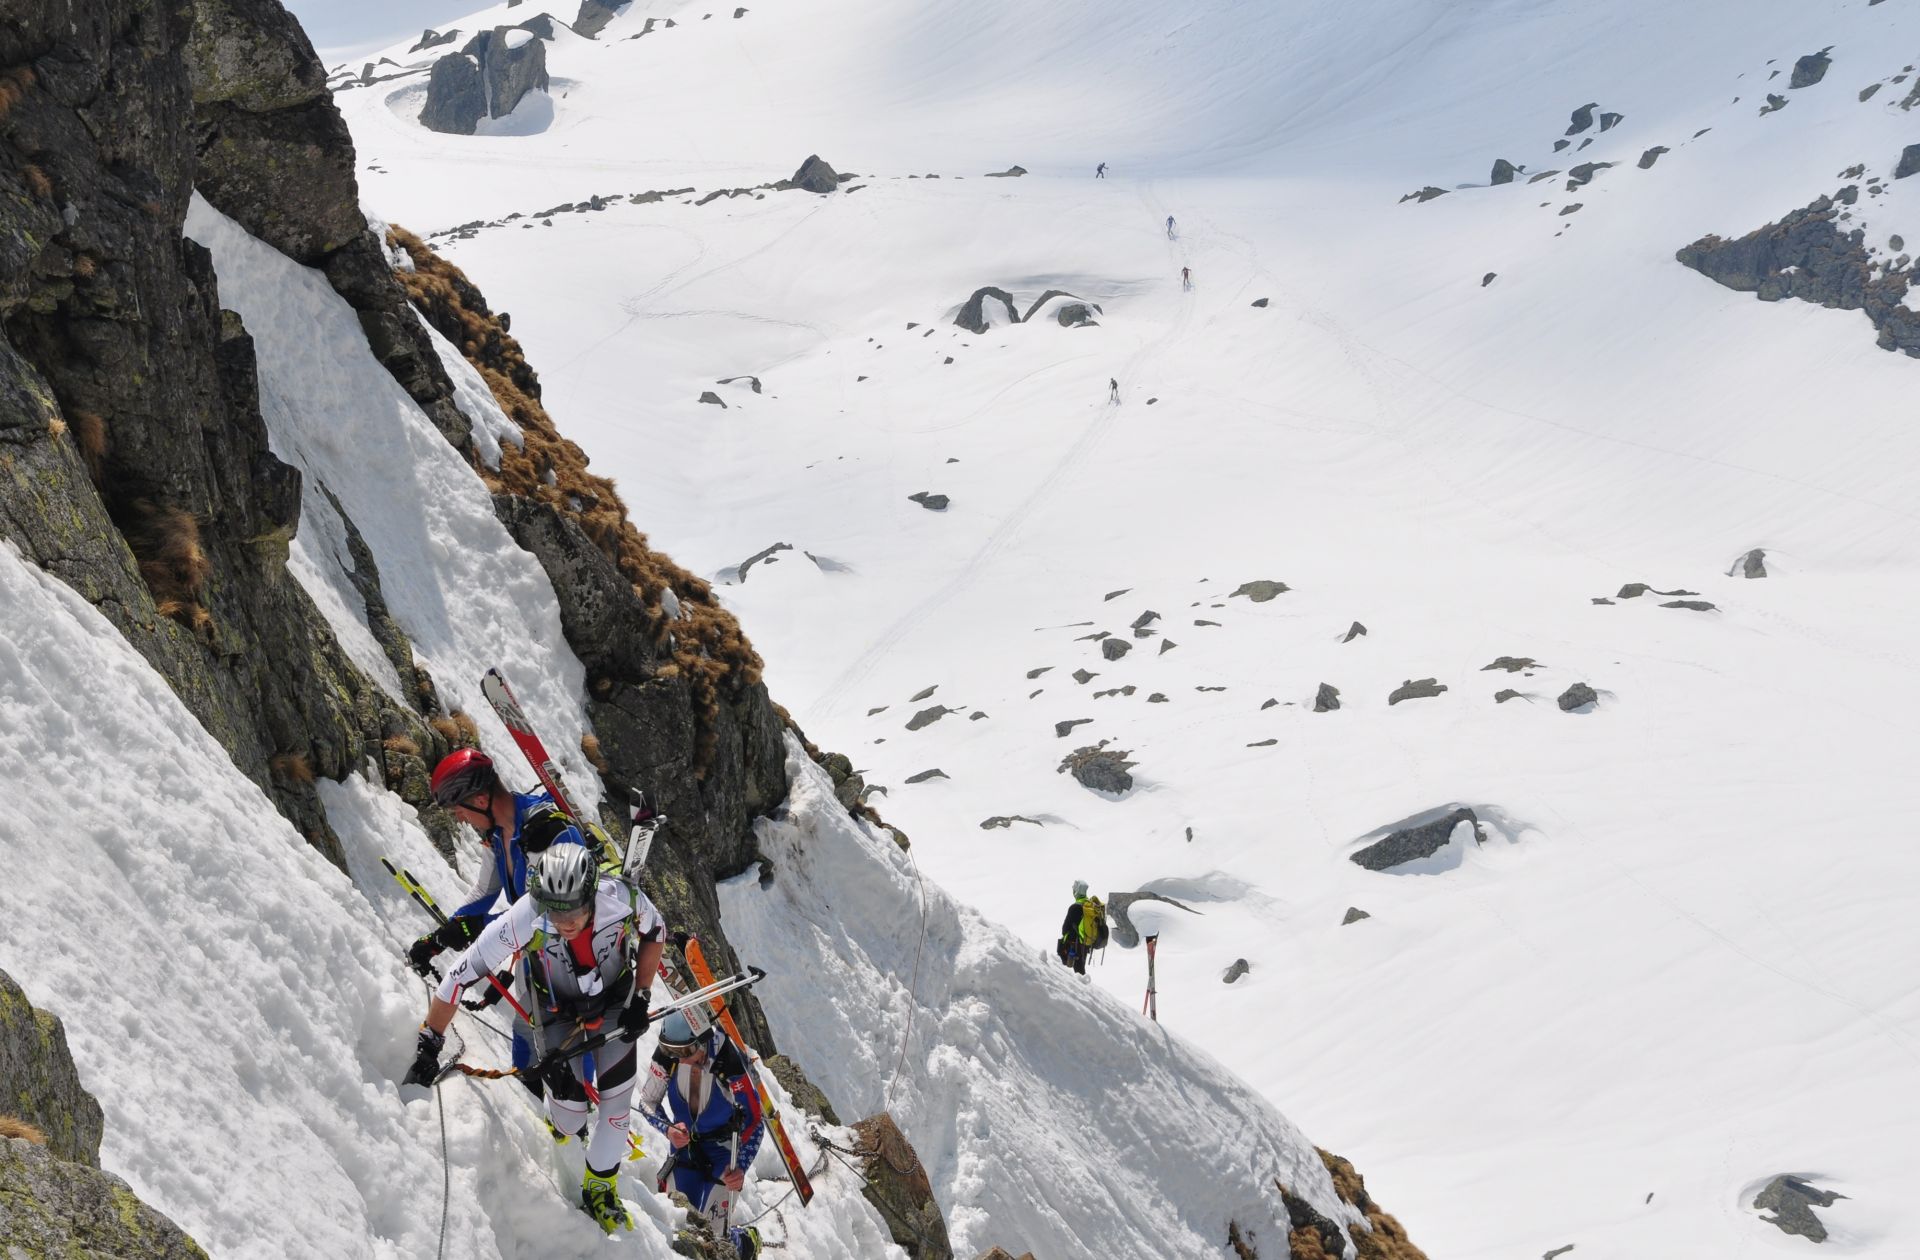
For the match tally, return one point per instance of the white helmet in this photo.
(566, 879)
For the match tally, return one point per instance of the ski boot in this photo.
(553, 1131)
(600, 1198)
(746, 1241)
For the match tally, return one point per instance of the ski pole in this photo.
(426, 902)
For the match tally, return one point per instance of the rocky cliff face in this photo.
(54, 1198)
(135, 465)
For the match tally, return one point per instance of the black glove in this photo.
(459, 933)
(426, 1059)
(502, 980)
(421, 953)
(634, 1019)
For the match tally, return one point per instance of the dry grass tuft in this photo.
(14, 85)
(706, 643)
(15, 1127)
(590, 749)
(90, 434)
(38, 181)
(56, 427)
(400, 744)
(294, 767)
(1241, 1247)
(84, 266)
(1386, 1238)
(166, 544)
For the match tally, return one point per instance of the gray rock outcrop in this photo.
(54, 1198)
(972, 316)
(1577, 696)
(1239, 967)
(931, 502)
(1810, 69)
(1792, 1201)
(1410, 844)
(1120, 914)
(896, 1184)
(1098, 768)
(1416, 689)
(1503, 171)
(1909, 162)
(1354, 915)
(1806, 256)
(507, 72)
(456, 96)
(816, 176)
(431, 38)
(1261, 591)
(594, 16)
(1327, 699)
(1113, 648)
(1751, 565)
(42, 1085)
(1582, 118)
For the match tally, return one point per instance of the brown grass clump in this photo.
(14, 85)
(84, 266)
(294, 767)
(166, 544)
(90, 434)
(400, 744)
(590, 749)
(15, 1127)
(38, 181)
(56, 426)
(1386, 1238)
(707, 646)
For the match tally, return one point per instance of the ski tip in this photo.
(757, 974)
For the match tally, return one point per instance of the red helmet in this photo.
(460, 774)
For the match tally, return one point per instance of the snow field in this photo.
(1682, 978)
(1047, 1117)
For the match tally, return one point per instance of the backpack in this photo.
(1093, 926)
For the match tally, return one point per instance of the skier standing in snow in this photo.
(1100, 171)
(1186, 277)
(1083, 930)
(1169, 227)
(1113, 389)
(594, 944)
(513, 826)
(699, 1095)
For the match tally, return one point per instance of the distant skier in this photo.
(1084, 929)
(1113, 389)
(1100, 171)
(698, 1094)
(593, 943)
(1186, 277)
(512, 827)
(1169, 227)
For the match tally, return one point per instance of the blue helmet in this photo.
(676, 1032)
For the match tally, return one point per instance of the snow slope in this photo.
(1686, 972)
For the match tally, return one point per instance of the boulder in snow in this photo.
(931, 502)
(1012, 172)
(1792, 1201)
(1416, 689)
(816, 176)
(1115, 648)
(1582, 118)
(594, 16)
(1327, 699)
(1099, 768)
(1810, 69)
(1354, 915)
(1751, 565)
(1239, 968)
(1577, 697)
(1410, 844)
(925, 775)
(1261, 591)
(708, 396)
(928, 716)
(974, 316)
(1503, 171)
(1651, 156)
(456, 96)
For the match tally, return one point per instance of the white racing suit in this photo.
(578, 989)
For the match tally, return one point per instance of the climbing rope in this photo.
(446, 1160)
(906, 1032)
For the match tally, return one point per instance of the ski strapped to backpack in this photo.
(703, 975)
(514, 718)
